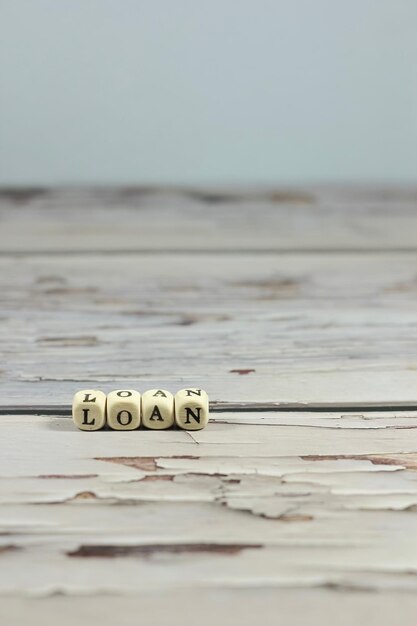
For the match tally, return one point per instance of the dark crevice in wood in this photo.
(225, 407)
(401, 459)
(9, 548)
(339, 251)
(146, 463)
(112, 551)
(66, 476)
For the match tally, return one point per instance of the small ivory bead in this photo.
(123, 409)
(157, 409)
(191, 409)
(89, 409)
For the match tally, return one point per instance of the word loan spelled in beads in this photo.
(127, 409)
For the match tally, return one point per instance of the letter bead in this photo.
(157, 409)
(191, 409)
(89, 409)
(123, 409)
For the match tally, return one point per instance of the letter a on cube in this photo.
(191, 409)
(157, 409)
(89, 409)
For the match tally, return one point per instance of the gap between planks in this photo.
(228, 407)
(211, 251)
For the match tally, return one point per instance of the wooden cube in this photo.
(123, 409)
(89, 409)
(157, 409)
(191, 409)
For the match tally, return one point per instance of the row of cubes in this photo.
(127, 409)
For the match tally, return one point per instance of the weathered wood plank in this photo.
(147, 219)
(261, 513)
(298, 329)
(237, 606)
(325, 502)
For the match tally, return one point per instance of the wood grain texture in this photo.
(296, 310)
(318, 502)
(304, 329)
(233, 606)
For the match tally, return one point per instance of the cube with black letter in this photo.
(89, 409)
(157, 409)
(191, 408)
(123, 409)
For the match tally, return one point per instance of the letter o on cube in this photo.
(123, 409)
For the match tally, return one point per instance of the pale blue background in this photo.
(214, 91)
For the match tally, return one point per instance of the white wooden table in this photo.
(297, 311)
